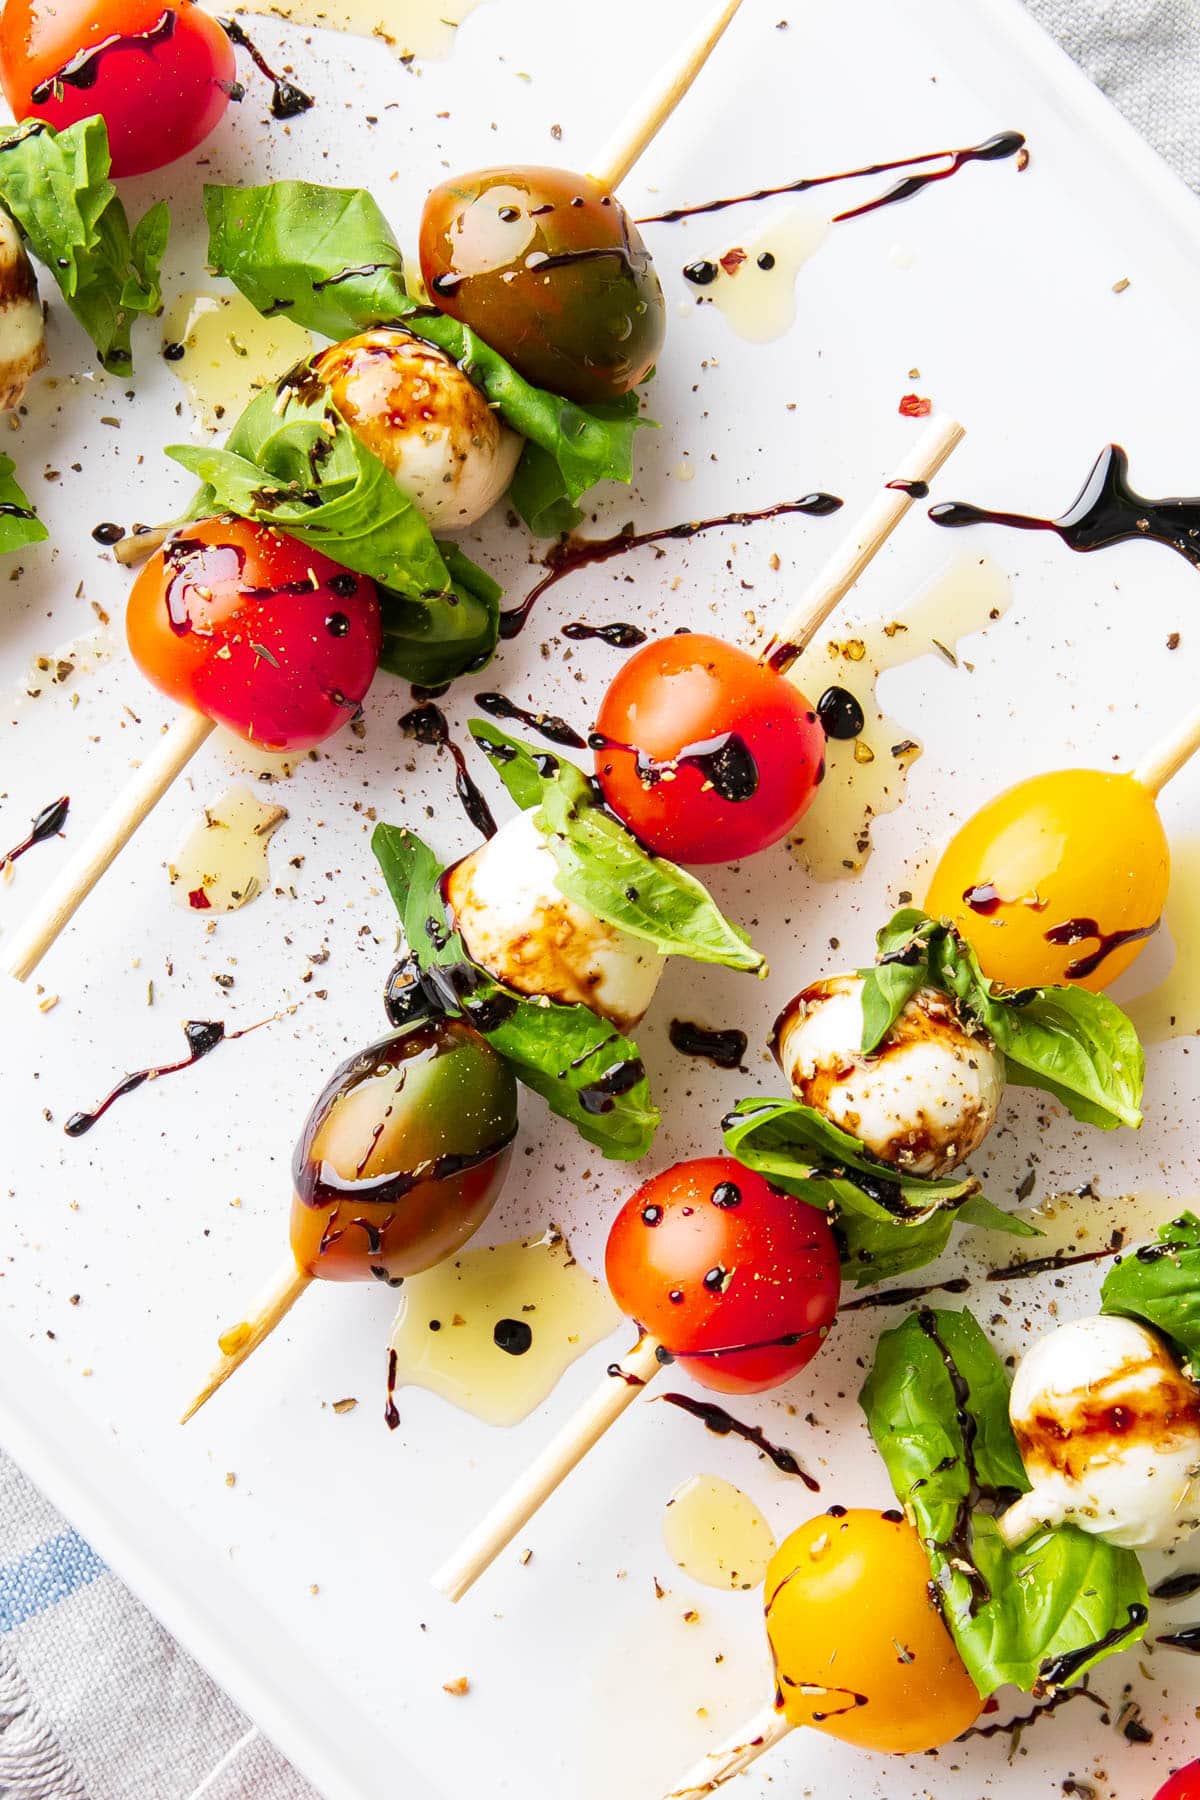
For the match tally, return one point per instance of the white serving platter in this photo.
(998, 287)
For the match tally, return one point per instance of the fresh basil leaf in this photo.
(886, 1223)
(292, 462)
(431, 643)
(280, 246)
(801, 1151)
(1078, 1046)
(886, 991)
(1062, 1592)
(979, 1210)
(324, 256)
(55, 185)
(539, 494)
(875, 1250)
(602, 867)
(581, 1066)
(1159, 1283)
(1081, 1048)
(19, 524)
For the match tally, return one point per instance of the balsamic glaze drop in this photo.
(840, 713)
(618, 635)
(514, 1336)
(108, 534)
(725, 1048)
(83, 69)
(48, 823)
(726, 762)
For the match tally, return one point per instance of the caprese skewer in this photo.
(408, 397)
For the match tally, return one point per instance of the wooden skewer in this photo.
(62, 899)
(1166, 759)
(939, 439)
(57, 907)
(736, 1754)
(549, 1470)
(651, 112)
(241, 1340)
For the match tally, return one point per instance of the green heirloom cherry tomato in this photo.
(551, 271)
(403, 1155)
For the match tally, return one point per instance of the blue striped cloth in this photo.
(96, 1701)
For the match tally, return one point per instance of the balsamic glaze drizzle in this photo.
(904, 1296)
(579, 553)
(83, 69)
(1078, 931)
(725, 1048)
(202, 1035)
(287, 100)
(1188, 1639)
(994, 149)
(390, 1415)
(723, 1424)
(1014, 1727)
(548, 725)
(958, 1547)
(428, 725)
(48, 823)
(1056, 1671)
(1107, 510)
(1042, 1265)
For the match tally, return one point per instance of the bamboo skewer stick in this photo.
(62, 899)
(652, 110)
(549, 1470)
(735, 1755)
(937, 442)
(614, 162)
(241, 1340)
(1164, 761)
(58, 906)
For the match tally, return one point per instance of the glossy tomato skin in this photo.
(226, 619)
(1183, 1785)
(403, 1155)
(551, 271)
(1061, 878)
(861, 1651)
(682, 697)
(738, 1281)
(160, 76)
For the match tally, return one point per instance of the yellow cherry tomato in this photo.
(1059, 879)
(860, 1649)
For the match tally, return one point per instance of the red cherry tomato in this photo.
(705, 753)
(738, 1281)
(1183, 1785)
(159, 75)
(274, 641)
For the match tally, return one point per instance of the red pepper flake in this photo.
(914, 406)
(199, 899)
(732, 261)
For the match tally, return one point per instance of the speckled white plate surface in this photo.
(998, 287)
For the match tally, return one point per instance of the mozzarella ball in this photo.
(923, 1101)
(22, 324)
(1109, 1430)
(505, 901)
(426, 422)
